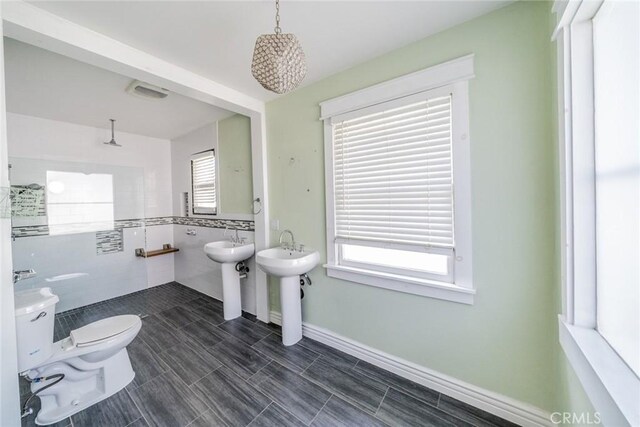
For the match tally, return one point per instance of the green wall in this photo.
(507, 341)
(236, 180)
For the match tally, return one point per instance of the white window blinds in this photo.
(393, 177)
(203, 182)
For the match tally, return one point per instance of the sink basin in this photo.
(226, 251)
(284, 262)
(288, 265)
(228, 254)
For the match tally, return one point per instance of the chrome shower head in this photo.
(113, 142)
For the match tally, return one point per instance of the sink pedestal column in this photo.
(291, 308)
(231, 302)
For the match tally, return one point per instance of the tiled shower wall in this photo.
(71, 267)
(79, 274)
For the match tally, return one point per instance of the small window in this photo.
(203, 183)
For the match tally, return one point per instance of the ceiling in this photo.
(44, 84)
(215, 38)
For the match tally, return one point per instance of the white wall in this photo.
(192, 267)
(95, 277)
(195, 270)
(38, 138)
(69, 265)
(9, 396)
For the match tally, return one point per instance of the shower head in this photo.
(113, 142)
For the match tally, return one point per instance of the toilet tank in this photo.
(35, 315)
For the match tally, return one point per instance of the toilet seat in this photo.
(103, 330)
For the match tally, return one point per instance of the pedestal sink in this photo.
(229, 254)
(288, 265)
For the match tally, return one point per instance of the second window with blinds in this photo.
(398, 194)
(203, 183)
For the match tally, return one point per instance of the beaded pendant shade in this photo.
(279, 64)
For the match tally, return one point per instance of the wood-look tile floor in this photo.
(194, 369)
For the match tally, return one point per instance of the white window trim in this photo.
(217, 183)
(611, 385)
(454, 74)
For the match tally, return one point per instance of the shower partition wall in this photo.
(78, 226)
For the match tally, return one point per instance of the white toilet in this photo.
(93, 359)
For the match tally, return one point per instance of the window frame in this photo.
(216, 183)
(449, 77)
(611, 385)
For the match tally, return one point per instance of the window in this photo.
(617, 179)
(392, 166)
(79, 202)
(203, 183)
(599, 47)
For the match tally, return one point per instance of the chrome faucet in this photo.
(234, 239)
(19, 275)
(293, 240)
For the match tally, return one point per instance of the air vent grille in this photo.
(146, 90)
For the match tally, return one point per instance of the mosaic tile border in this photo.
(109, 242)
(243, 225)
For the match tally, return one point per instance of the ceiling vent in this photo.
(146, 90)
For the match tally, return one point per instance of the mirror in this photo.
(51, 116)
(228, 180)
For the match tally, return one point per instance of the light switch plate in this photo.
(275, 224)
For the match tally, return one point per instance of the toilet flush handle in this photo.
(39, 316)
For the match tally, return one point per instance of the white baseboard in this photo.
(502, 406)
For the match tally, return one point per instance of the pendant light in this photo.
(279, 63)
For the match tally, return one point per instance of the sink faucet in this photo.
(234, 238)
(23, 274)
(293, 241)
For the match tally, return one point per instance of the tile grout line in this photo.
(256, 373)
(380, 404)
(341, 395)
(206, 404)
(273, 402)
(268, 396)
(309, 365)
(265, 408)
(399, 388)
(325, 404)
(206, 375)
(137, 407)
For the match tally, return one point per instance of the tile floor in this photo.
(194, 369)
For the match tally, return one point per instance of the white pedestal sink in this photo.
(288, 265)
(229, 254)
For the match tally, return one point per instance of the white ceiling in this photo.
(44, 84)
(216, 38)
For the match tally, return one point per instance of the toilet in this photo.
(93, 358)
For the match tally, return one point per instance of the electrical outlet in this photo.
(275, 224)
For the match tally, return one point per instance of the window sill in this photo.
(611, 385)
(409, 285)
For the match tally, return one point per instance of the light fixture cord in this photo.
(277, 29)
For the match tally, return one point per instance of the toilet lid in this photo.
(103, 329)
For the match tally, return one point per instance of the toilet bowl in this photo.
(93, 358)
